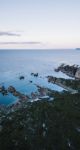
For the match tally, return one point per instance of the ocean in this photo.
(16, 63)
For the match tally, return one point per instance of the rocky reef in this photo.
(34, 74)
(21, 77)
(3, 90)
(71, 85)
(14, 92)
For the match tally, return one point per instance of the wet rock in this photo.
(43, 93)
(21, 77)
(16, 93)
(11, 89)
(35, 74)
(23, 97)
(59, 68)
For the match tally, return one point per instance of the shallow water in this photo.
(20, 62)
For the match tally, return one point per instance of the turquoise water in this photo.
(14, 63)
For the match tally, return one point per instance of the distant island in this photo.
(77, 48)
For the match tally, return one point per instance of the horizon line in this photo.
(37, 48)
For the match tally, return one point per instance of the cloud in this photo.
(21, 43)
(8, 33)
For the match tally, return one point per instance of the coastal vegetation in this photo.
(43, 125)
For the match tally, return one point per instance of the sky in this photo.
(39, 24)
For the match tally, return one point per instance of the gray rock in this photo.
(77, 75)
(21, 77)
(11, 89)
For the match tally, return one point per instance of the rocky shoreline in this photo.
(45, 120)
(72, 86)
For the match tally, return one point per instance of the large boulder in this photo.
(21, 77)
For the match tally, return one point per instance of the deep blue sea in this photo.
(14, 63)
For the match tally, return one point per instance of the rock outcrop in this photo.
(11, 89)
(21, 77)
(77, 75)
(72, 71)
(34, 74)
